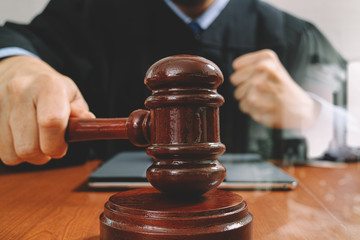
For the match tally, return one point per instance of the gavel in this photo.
(181, 130)
(182, 135)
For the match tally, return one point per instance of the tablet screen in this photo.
(243, 171)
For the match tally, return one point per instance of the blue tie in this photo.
(195, 27)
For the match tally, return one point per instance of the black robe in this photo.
(107, 46)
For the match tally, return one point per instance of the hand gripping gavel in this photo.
(181, 130)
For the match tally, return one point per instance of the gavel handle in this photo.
(136, 128)
(84, 129)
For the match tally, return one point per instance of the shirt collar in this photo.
(205, 19)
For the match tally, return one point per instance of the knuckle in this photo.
(25, 151)
(235, 63)
(253, 100)
(270, 54)
(271, 108)
(257, 117)
(237, 93)
(266, 66)
(44, 76)
(265, 120)
(68, 81)
(56, 152)
(262, 87)
(232, 79)
(270, 71)
(53, 122)
(236, 78)
(13, 88)
(40, 160)
(47, 79)
(243, 106)
(10, 160)
(257, 85)
(58, 155)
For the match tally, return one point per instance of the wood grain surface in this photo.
(56, 204)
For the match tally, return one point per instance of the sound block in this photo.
(147, 214)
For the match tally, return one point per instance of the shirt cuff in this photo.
(15, 51)
(319, 136)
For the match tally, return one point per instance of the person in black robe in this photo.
(106, 47)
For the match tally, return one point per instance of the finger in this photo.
(7, 151)
(240, 92)
(41, 159)
(253, 58)
(25, 135)
(255, 82)
(244, 107)
(267, 120)
(242, 75)
(251, 102)
(24, 130)
(263, 65)
(262, 117)
(53, 111)
(262, 109)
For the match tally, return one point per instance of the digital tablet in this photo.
(243, 171)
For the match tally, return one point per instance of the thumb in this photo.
(79, 108)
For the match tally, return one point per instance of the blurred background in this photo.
(338, 20)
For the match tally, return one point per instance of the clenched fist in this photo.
(35, 105)
(269, 95)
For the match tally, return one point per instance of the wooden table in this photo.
(56, 204)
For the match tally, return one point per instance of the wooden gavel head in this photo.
(181, 131)
(184, 129)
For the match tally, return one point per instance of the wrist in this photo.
(311, 113)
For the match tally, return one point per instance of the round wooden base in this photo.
(147, 214)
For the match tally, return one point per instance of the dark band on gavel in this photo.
(181, 131)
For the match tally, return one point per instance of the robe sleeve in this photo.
(321, 71)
